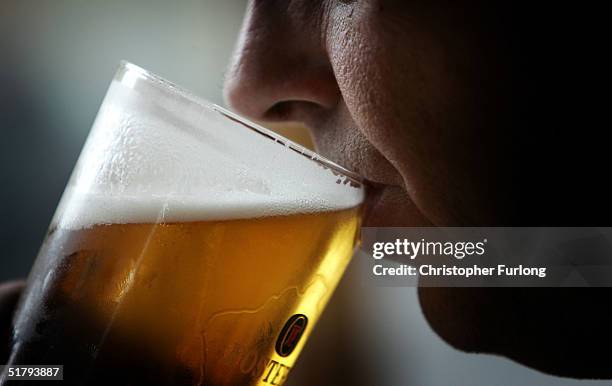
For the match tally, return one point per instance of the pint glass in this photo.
(190, 247)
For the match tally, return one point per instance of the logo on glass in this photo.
(290, 334)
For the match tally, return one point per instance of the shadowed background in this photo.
(56, 61)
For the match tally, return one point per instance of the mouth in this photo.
(391, 206)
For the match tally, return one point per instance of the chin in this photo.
(559, 331)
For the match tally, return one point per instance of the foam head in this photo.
(156, 153)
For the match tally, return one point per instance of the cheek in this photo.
(359, 67)
(395, 80)
(409, 90)
(378, 82)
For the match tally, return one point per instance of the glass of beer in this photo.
(190, 247)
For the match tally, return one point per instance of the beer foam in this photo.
(154, 155)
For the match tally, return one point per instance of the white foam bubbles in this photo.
(155, 155)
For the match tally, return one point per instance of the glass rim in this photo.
(287, 143)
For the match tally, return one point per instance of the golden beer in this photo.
(187, 249)
(204, 301)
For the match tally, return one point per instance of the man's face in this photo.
(415, 96)
(397, 91)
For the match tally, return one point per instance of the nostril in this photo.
(290, 110)
(280, 111)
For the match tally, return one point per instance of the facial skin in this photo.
(422, 99)
(388, 90)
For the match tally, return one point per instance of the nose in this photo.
(280, 70)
